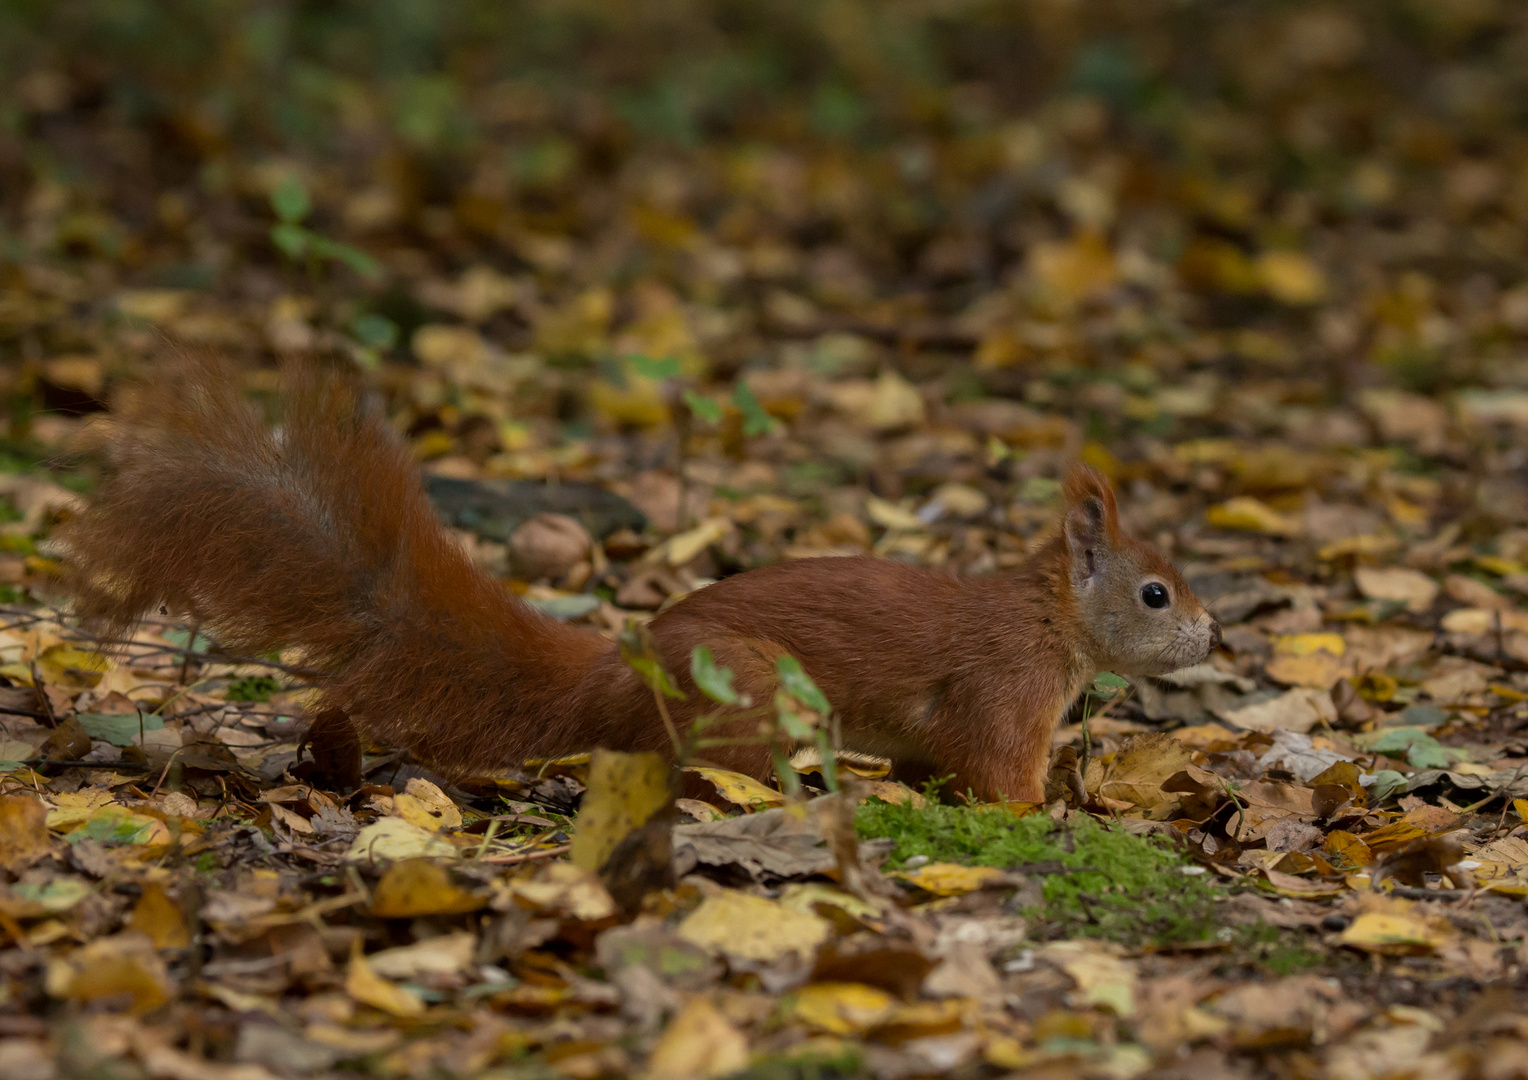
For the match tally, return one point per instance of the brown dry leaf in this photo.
(159, 918)
(1141, 765)
(367, 987)
(699, 1042)
(417, 887)
(567, 891)
(23, 831)
(1416, 591)
(125, 964)
(1296, 710)
(446, 954)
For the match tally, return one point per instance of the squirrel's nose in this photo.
(1215, 636)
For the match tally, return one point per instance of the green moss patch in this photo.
(1097, 881)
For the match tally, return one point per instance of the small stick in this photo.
(506, 860)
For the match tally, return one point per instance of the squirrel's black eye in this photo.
(1154, 595)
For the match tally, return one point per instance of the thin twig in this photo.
(506, 860)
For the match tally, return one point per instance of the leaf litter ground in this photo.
(827, 283)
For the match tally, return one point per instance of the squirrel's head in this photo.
(1139, 613)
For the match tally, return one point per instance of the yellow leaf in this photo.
(1366, 546)
(369, 988)
(71, 667)
(892, 792)
(680, 549)
(624, 791)
(125, 964)
(889, 515)
(71, 809)
(842, 1008)
(416, 887)
(1306, 644)
(739, 789)
(152, 305)
(459, 348)
(1521, 806)
(159, 918)
(1495, 564)
(23, 831)
(1392, 933)
(952, 879)
(639, 403)
(1318, 670)
(392, 838)
(1070, 271)
(701, 1043)
(753, 928)
(809, 896)
(1291, 277)
(1246, 514)
(425, 805)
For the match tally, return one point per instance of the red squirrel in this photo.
(318, 535)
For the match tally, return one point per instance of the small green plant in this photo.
(1098, 881)
(252, 688)
(291, 205)
(798, 714)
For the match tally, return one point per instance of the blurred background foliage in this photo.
(1159, 196)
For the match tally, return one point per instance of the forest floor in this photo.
(1307, 377)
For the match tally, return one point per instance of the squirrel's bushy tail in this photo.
(318, 535)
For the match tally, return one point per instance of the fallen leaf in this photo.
(751, 928)
(738, 789)
(159, 918)
(567, 891)
(23, 831)
(1103, 979)
(393, 839)
(699, 1042)
(1394, 933)
(1296, 710)
(842, 1008)
(953, 879)
(1246, 514)
(445, 954)
(366, 986)
(125, 964)
(1416, 591)
(1140, 766)
(420, 886)
(624, 791)
(422, 803)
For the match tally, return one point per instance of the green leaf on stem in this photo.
(799, 685)
(714, 681)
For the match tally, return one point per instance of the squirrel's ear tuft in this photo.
(1089, 496)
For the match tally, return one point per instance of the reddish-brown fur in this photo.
(320, 537)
